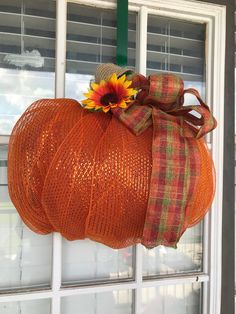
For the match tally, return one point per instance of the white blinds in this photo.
(91, 38)
(176, 46)
(27, 56)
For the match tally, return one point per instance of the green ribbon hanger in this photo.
(122, 32)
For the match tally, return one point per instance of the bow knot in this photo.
(165, 92)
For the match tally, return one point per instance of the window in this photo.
(48, 274)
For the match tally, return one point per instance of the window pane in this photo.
(186, 258)
(113, 302)
(89, 261)
(177, 299)
(91, 40)
(26, 307)
(178, 47)
(27, 56)
(25, 257)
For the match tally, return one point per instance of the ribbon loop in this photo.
(200, 126)
(138, 116)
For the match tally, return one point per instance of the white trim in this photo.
(217, 153)
(57, 262)
(138, 279)
(207, 220)
(205, 266)
(56, 271)
(141, 49)
(96, 3)
(180, 15)
(141, 61)
(101, 288)
(61, 19)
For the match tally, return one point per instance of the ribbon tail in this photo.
(170, 182)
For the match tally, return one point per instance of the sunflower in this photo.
(109, 94)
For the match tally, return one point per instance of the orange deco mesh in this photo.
(86, 175)
(134, 175)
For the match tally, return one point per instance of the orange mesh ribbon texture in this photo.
(141, 174)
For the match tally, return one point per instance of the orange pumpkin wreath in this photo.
(128, 166)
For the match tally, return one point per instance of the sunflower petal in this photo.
(113, 79)
(127, 84)
(88, 94)
(122, 79)
(106, 109)
(131, 92)
(94, 86)
(123, 104)
(113, 105)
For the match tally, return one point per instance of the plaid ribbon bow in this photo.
(176, 163)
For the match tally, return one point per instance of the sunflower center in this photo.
(109, 98)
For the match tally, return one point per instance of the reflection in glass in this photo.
(176, 46)
(25, 257)
(26, 307)
(112, 302)
(177, 299)
(27, 56)
(91, 40)
(84, 261)
(186, 258)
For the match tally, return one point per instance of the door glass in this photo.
(178, 47)
(113, 302)
(25, 257)
(186, 258)
(91, 40)
(26, 307)
(91, 261)
(27, 56)
(177, 299)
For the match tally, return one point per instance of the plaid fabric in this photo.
(170, 182)
(137, 118)
(176, 163)
(207, 122)
(165, 87)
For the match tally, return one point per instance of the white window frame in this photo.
(214, 16)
